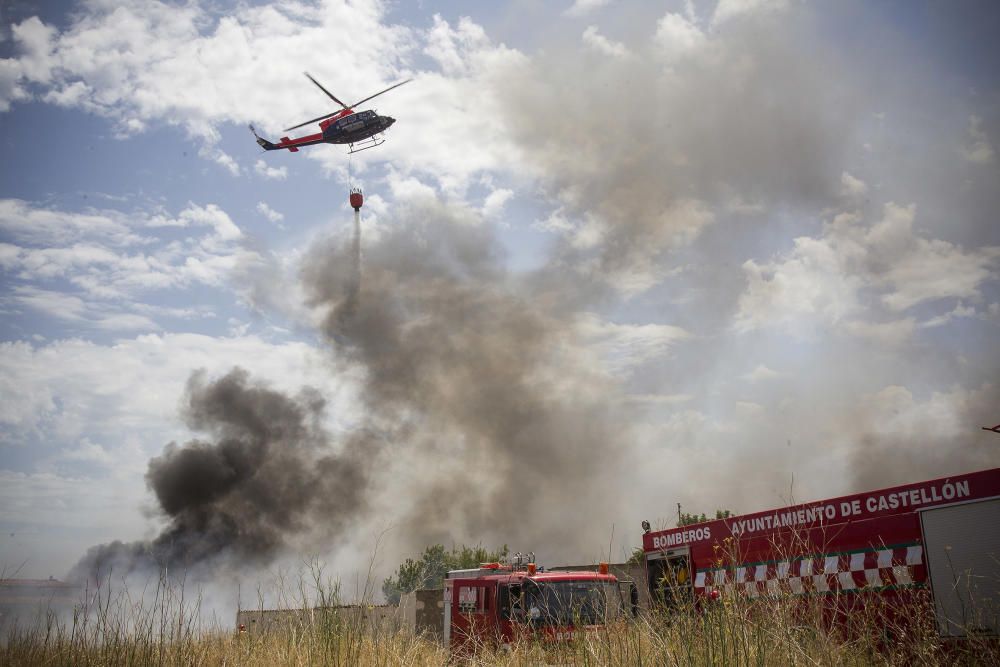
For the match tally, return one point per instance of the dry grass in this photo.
(783, 631)
(120, 630)
(163, 627)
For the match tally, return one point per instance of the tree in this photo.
(688, 519)
(432, 566)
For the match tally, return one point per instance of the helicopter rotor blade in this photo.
(379, 93)
(308, 122)
(328, 93)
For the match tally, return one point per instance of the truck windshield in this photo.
(585, 602)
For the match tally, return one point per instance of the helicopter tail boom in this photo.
(291, 145)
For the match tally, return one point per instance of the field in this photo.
(118, 630)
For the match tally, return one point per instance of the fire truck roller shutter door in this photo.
(962, 552)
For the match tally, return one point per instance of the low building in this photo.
(379, 617)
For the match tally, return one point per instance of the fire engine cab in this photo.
(504, 602)
(941, 535)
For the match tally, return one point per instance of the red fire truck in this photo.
(942, 535)
(500, 603)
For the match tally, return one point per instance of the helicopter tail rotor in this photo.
(264, 143)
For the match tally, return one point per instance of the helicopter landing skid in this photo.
(365, 144)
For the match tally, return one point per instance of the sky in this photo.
(615, 256)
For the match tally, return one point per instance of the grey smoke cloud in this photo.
(656, 146)
(476, 379)
(899, 439)
(704, 148)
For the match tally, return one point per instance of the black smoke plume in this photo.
(267, 475)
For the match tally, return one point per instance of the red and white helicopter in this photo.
(359, 130)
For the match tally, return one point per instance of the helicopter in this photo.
(359, 130)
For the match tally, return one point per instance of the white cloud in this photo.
(727, 10)
(35, 40)
(269, 212)
(810, 281)
(960, 310)
(73, 309)
(111, 260)
(10, 89)
(75, 94)
(821, 279)
(451, 46)
(683, 221)
(30, 224)
(214, 217)
(889, 333)
(90, 452)
(760, 374)
(603, 45)
(495, 201)
(57, 304)
(939, 270)
(851, 187)
(273, 173)
(658, 399)
(978, 150)
(749, 410)
(555, 222)
(625, 347)
(200, 216)
(222, 158)
(677, 36)
(410, 188)
(584, 7)
(923, 269)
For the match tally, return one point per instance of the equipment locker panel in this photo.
(962, 545)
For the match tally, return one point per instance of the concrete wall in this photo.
(423, 611)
